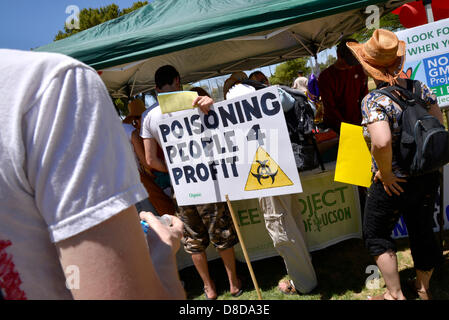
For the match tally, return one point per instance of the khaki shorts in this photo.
(207, 223)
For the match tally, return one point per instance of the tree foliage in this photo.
(330, 60)
(91, 17)
(286, 72)
(389, 21)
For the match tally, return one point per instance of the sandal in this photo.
(289, 288)
(205, 295)
(422, 294)
(238, 293)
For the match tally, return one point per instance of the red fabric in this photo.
(9, 278)
(413, 14)
(342, 92)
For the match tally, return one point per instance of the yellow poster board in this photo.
(353, 158)
(176, 101)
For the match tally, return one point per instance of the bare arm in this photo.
(139, 149)
(436, 112)
(163, 248)
(151, 157)
(382, 151)
(114, 261)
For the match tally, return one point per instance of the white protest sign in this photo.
(241, 148)
(427, 57)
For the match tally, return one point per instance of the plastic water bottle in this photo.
(165, 220)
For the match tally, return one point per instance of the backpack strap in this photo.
(417, 91)
(388, 91)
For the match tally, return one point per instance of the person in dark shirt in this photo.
(342, 87)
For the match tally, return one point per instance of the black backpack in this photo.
(424, 141)
(300, 125)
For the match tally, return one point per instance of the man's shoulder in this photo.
(328, 70)
(151, 112)
(46, 62)
(326, 75)
(32, 73)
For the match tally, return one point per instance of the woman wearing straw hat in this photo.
(392, 191)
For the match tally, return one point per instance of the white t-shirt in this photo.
(66, 166)
(239, 90)
(151, 118)
(301, 84)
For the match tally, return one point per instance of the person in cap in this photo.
(300, 82)
(393, 192)
(157, 202)
(342, 87)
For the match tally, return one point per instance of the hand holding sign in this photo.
(204, 103)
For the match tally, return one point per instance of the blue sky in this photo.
(27, 24)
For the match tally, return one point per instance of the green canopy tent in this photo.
(204, 38)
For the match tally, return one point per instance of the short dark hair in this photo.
(256, 74)
(344, 52)
(165, 75)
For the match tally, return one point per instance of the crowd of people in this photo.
(75, 182)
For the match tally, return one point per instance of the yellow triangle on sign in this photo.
(265, 173)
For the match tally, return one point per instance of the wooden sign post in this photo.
(242, 244)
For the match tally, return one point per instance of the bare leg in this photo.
(388, 265)
(422, 283)
(200, 262)
(228, 258)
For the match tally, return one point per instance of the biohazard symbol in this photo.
(265, 173)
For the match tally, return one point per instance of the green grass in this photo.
(340, 271)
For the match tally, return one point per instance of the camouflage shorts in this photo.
(207, 223)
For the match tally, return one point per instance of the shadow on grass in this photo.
(265, 280)
(341, 271)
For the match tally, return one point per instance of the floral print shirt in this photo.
(378, 107)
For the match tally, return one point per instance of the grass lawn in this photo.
(341, 272)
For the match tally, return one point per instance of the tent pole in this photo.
(428, 6)
(302, 43)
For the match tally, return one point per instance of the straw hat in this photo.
(232, 80)
(382, 56)
(135, 108)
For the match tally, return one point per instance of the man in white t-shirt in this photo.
(68, 185)
(300, 82)
(203, 224)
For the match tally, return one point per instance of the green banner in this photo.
(441, 91)
(330, 213)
